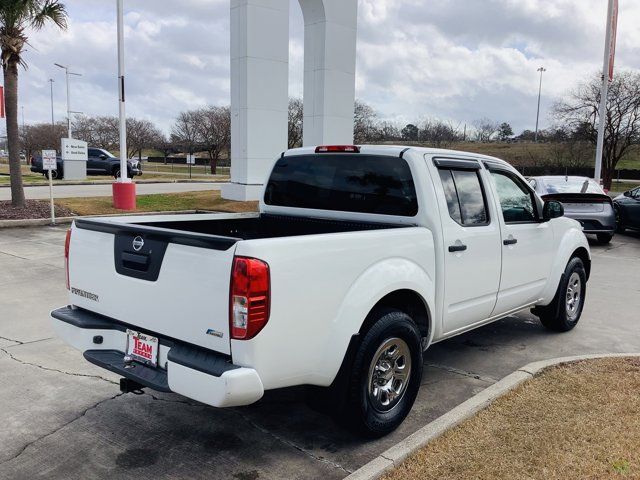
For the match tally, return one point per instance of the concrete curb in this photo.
(37, 222)
(395, 455)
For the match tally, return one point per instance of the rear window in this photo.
(343, 182)
(571, 185)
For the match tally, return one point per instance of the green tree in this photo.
(505, 132)
(16, 18)
(410, 132)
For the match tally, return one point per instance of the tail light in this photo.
(338, 149)
(250, 297)
(67, 242)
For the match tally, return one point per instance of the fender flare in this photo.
(572, 240)
(391, 275)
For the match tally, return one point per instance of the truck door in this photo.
(471, 235)
(527, 244)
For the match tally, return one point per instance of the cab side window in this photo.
(465, 197)
(516, 200)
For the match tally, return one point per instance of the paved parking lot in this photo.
(63, 418)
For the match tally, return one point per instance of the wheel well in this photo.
(407, 301)
(583, 255)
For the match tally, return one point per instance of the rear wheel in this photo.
(604, 238)
(385, 376)
(564, 312)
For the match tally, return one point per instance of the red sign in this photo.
(1, 102)
(612, 38)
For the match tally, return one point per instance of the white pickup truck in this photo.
(358, 260)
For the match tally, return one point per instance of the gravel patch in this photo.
(33, 209)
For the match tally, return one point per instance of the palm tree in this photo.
(16, 17)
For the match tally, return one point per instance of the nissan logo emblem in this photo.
(138, 243)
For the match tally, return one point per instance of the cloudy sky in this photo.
(456, 60)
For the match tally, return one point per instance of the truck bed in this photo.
(266, 226)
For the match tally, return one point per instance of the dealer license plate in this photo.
(142, 347)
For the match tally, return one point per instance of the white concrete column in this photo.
(330, 28)
(259, 92)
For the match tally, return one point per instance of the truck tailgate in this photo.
(171, 283)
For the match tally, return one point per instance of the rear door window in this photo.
(343, 182)
(465, 197)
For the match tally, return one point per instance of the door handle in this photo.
(457, 248)
(510, 241)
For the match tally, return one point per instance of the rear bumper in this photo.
(596, 222)
(203, 375)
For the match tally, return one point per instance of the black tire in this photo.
(604, 238)
(116, 173)
(561, 315)
(368, 415)
(620, 227)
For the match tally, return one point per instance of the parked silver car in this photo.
(583, 200)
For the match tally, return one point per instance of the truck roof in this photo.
(396, 150)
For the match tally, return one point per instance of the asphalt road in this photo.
(63, 418)
(104, 190)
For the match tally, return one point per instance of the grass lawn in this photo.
(209, 200)
(183, 169)
(30, 178)
(576, 421)
(623, 186)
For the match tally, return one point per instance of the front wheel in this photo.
(563, 313)
(386, 374)
(604, 238)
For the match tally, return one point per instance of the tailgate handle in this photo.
(135, 261)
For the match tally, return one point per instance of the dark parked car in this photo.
(627, 208)
(100, 162)
(583, 200)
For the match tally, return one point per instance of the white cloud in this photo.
(453, 59)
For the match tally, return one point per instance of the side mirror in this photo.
(627, 193)
(552, 209)
(103, 156)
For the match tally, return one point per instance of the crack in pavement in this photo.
(42, 437)
(464, 373)
(290, 443)
(55, 369)
(12, 340)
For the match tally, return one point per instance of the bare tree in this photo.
(295, 122)
(42, 136)
(141, 134)
(579, 112)
(213, 132)
(184, 132)
(439, 134)
(100, 132)
(365, 120)
(486, 129)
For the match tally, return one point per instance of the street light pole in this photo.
(124, 190)
(122, 113)
(541, 70)
(67, 73)
(51, 84)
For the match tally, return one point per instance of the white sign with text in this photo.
(73, 149)
(49, 160)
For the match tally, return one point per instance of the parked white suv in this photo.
(359, 259)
